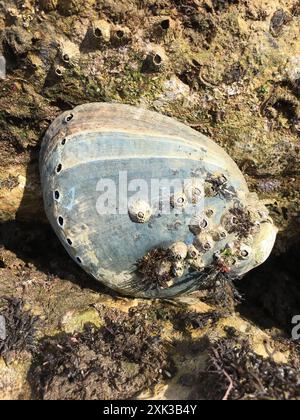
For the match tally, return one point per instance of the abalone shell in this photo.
(95, 164)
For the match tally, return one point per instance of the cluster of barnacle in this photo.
(102, 32)
(50, 61)
(244, 222)
(238, 225)
(99, 34)
(222, 244)
(183, 256)
(192, 193)
(160, 267)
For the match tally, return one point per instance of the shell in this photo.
(94, 163)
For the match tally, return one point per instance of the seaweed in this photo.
(221, 290)
(193, 320)
(219, 185)
(235, 372)
(19, 327)
(148, 267)
(242, 222)
(115, 361)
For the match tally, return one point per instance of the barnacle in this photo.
(178, 269)
(178, 200)
(197, 263)
(179, 251)
(199, 223)
(139, 211)
(193, 252)
(204, 242)
(155, 60)
(194, 191)
(219, 234)
(102, 30)
(120, 35)
(69, 52)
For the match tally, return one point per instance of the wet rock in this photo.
(18, 41)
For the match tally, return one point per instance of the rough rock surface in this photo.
(228, 68)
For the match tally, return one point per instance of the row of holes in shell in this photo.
(57, 194)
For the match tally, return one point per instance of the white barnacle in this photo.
(178, 269)
(229, 221)
(209, 212)
(209, 190)
(245, 252)
(164, 268)
(194, 191)
(59, 71)
(193, 252)
(139, 211)
(198, 223)
(102, 30)
(179, 251)
(255, 228)
(219, 234)
(69, 52)
(204, 242)
(197, 263)
(178, 200)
